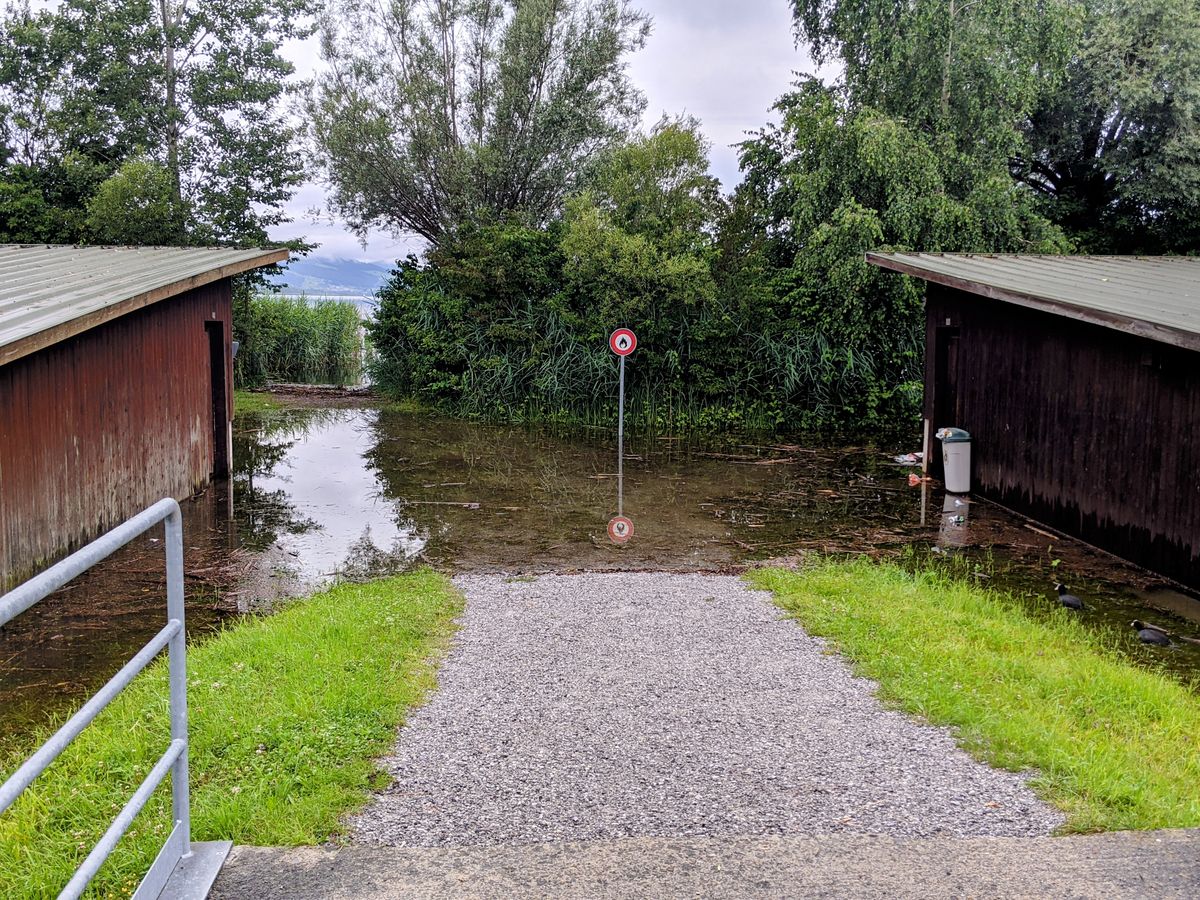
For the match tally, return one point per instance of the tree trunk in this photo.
(170, 30)
(947, 63)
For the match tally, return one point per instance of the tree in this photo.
(828, 184)
(967, 70)
(1093, 104)
(1114, 147)
(198, 88)
(509, 320)
(135, 205)
(441, 114)
(230, 148)
(660, 186)
(45, 176)
(47, 204)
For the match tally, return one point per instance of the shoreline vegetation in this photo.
(288, 714)
(1111, 745)
(257, 401)
(297, 339)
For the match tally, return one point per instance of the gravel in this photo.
(585, 707)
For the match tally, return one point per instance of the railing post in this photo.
(182, 869)
(177, 668)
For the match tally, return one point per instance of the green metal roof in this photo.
(1156, 297)
(51, 293)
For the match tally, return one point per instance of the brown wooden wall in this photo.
(101, 425)
(1090, 430)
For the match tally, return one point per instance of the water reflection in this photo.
(303, 485)
(620, 527)
(320, 494)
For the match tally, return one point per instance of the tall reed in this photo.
(297, 340)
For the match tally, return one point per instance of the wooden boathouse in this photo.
(1079, 381)
(115, 386)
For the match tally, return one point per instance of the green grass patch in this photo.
(1114, 746)
(288, 714)
(254, 402)
(409, 406)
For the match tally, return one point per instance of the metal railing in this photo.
(176, 861)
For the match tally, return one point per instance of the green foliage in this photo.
(136, 205)
(296, 340)
(1093, 104)
(197, 89)
(1114, 146)
(660, 187)
(511, 322)
(47, 204)
(288, 715)
(441, 116)
(967, 70)
(1112, 745)
(825, 186)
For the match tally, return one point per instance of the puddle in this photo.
(321, 493)
(467, 497)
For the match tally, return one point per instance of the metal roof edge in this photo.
(1127, 325)
(56, 334)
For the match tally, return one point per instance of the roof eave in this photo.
(34, 342)
(1162, 333)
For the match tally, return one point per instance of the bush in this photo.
(511, 323)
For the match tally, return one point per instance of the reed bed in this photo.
(298, 340)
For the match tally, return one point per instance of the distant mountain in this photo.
(324, 277)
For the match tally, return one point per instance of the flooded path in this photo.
(322, 492)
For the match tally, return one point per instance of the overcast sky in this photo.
(723, 61)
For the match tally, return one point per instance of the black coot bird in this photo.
(1150, 634)
(1070, 601)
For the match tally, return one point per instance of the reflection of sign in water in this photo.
(620, 530)
(623, 342)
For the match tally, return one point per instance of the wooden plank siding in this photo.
(98, 426)
(1092, 431)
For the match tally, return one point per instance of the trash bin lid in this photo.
(952, 435)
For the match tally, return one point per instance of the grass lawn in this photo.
(1115, 746)
(254, 402)
(288, 713)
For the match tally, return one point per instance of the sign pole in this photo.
(621, 443)
(622, 342)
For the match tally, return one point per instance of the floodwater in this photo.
(322, 493)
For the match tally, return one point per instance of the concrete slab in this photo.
(1163, 864)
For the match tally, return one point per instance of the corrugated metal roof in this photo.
(1156, 297)
(50, 293)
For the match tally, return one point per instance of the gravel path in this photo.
(584, 707)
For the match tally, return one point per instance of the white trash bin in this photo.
(956, 459)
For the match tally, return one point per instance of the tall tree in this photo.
(1093, 104)
(199, 88)
(831, 182)
(230, 146)
(968, 70)
(1114, 147)
(437, 114)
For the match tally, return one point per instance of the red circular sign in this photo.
(620, 530)
(623, 342)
